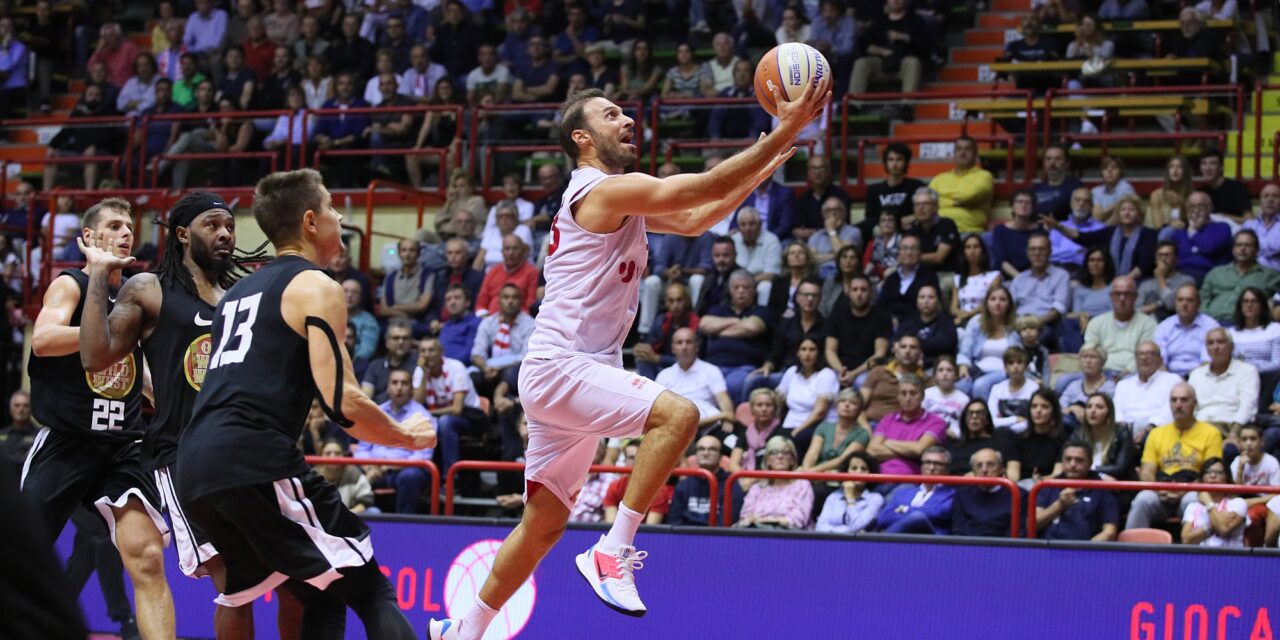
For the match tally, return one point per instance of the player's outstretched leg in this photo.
(539, 530)
(142, 552)
(609, 565)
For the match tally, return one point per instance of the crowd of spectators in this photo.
(1094, 334)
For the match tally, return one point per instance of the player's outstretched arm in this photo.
(314, 307)
(698, 201)
(106, 339)
(53, 334)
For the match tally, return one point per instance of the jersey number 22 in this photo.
(239, 316)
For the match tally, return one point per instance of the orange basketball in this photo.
(789, 68)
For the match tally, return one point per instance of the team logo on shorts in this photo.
(195, 362)
(116, 381)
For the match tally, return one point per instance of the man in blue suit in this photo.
(776, 205)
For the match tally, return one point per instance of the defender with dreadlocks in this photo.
(170, 311)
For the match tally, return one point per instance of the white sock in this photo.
(624, 528)
(476, 622)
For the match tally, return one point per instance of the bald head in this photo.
(1182, 403)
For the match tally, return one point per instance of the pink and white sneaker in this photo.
(612, 576)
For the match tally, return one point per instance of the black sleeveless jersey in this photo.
(64, 397)
(256, 395)
(178, 351)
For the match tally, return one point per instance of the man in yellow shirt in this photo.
(965, 191)
(1174, 453)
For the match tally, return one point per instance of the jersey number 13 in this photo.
(238, 316)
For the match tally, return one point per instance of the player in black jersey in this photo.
(278, 343)
(88, 452)
(171, 312)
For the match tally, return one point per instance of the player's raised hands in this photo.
(421, 434)
(97, 253)
(800, 112)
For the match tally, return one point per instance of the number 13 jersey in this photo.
(106, 405)
(257, 391)
(593, 282)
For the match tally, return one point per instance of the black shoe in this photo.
(129, 630)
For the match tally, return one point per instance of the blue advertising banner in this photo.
(708, 585)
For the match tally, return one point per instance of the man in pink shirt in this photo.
(901, 438)
(116, 52)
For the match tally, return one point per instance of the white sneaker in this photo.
(612, 576)
(443, 629)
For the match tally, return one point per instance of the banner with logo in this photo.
(706, 585)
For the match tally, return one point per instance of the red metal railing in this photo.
(486, 162)
(848, 100)
(1008, 140)
(221, 155)
(1107, 138)
(422, 110)
(422, 197)
(1015, 514)
(430, 468)
(241, 117)
(478, 113)
(125, 122)
(655, 118)
(486, 465)
(724, 144)
(1104, 485)
(1205, 91)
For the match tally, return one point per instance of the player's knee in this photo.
(144, 559)
(685, 416)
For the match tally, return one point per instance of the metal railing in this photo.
(428, 466)
(1015, 513)
(241, 117)
(318, 114)
(1126, 485)
(473, 136)
(271, 156)
(848, 100)
(422, 198)
(1063, 97)
(1178, 138)
(1008, 140)
(488, 465)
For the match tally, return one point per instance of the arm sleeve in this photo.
(772, 254)
(829, 521)
(1248, 397)
(484, 337)
(799, 505)
(863, 518)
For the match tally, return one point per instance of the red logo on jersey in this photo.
(637, 382)
(555, 236)
(627, 270)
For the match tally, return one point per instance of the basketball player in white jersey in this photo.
(572, 384)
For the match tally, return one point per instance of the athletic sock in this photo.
(473, 625)
(623, 532)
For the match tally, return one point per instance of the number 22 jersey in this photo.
(106, 405)
(257, 391)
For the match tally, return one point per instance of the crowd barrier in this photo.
(1106, 485)
(430, 467)
(733, 584)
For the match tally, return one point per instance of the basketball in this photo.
(789, 68)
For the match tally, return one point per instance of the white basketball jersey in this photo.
(593, 282)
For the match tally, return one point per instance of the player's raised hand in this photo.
(800, 112)
(421, 434)
(97, 253)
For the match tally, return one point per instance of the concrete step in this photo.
(984, 37)
(1010, 20)
(1021, 6)
(972, 55)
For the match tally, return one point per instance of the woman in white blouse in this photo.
(317, 84)
(794, 28)
(808, 389)
(1256, 337)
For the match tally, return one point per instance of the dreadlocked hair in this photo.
(170, 270)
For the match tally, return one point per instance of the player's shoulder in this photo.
(66, 287)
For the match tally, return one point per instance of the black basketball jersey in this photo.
(256, 395)
(178, 351)
(64, 397)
